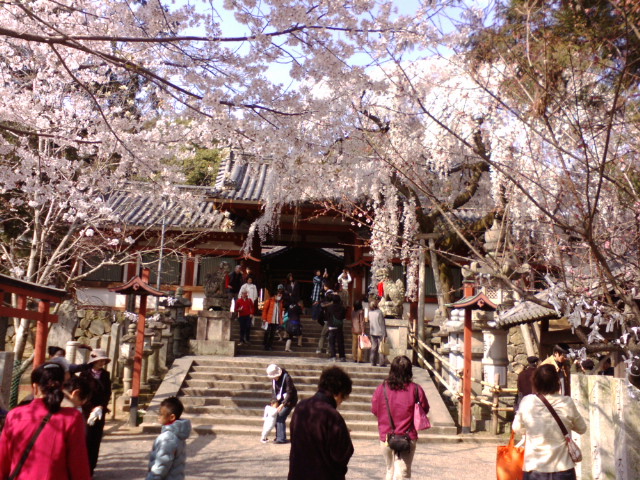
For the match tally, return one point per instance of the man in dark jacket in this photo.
(320, 442)
(525, 379)
(335, 315)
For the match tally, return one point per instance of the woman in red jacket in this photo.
(245, 311)
(60, 450)
(401, 392)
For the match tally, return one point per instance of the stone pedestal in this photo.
(397, 337)
(494, 360)
(6, 369)
(213, 336)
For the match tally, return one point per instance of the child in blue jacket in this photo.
(169, 455)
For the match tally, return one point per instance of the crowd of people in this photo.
(55, 432)
(330, 305)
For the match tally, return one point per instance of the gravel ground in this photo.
(124, 455)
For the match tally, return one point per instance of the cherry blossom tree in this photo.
(97, 94)
(534, 132)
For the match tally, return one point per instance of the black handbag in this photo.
(398, 442)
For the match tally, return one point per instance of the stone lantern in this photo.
(127, 352)
(138, 286)
(177, 306)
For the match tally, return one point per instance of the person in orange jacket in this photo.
(272, 313)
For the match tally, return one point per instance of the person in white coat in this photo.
(546, 455)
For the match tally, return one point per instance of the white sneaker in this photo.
(264, 440)
(318, 351)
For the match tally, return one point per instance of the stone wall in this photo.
(611, 409)
(516, 354)
(73, 324)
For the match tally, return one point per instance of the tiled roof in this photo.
(526, 312)
(241, 181)
(237, 181)
(134, 208)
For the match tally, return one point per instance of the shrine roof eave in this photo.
(478, 302)
(33, 290)
(526, 312)
(136, 286)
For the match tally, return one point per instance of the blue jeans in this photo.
(281, 424)
(564, 475)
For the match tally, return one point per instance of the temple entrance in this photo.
(302, 262)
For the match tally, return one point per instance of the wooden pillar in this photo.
(466, 379)
(137, 359)
(41, 334)
(256, 270)
(358, 274)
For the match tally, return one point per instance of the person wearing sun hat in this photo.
(283, 390)
(96, 407)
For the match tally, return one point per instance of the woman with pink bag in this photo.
(396, 403)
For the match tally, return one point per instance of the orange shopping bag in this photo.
(510, 461)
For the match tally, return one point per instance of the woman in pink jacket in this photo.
(60, 451)
(402, 393)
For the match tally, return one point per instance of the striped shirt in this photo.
(317, 289)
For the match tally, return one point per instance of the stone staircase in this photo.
(227, 395)
(310, 335)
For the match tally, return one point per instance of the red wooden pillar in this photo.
(41, 333)
(137, 359)
(466, 379)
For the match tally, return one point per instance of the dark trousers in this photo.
(336, 335)
(564, 475)
(94, 437)
(269, 334)
(281, 424)
(375, 356)
(316, 310)
(245, 328)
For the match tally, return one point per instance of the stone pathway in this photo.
(124, 455)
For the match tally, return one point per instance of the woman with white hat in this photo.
(285, 392)
(96, 408)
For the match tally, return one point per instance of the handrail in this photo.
(496, 389)
(444, 361)
(438, 376)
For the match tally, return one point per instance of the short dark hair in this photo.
(78, 383)
(587, 364)
(400, 373)
(174, 405)
(546, 380)
(561, 348)
(335, 381)
(53, 350)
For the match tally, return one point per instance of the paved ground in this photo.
(124, 455)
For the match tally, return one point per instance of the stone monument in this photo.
(392, 298)
(215, 293)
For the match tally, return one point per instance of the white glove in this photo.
(96, 414)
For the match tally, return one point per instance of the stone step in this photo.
(202, 396)
(259, 373)
(291, 364)
(206, 405)
(227, 395)
(210, 388)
